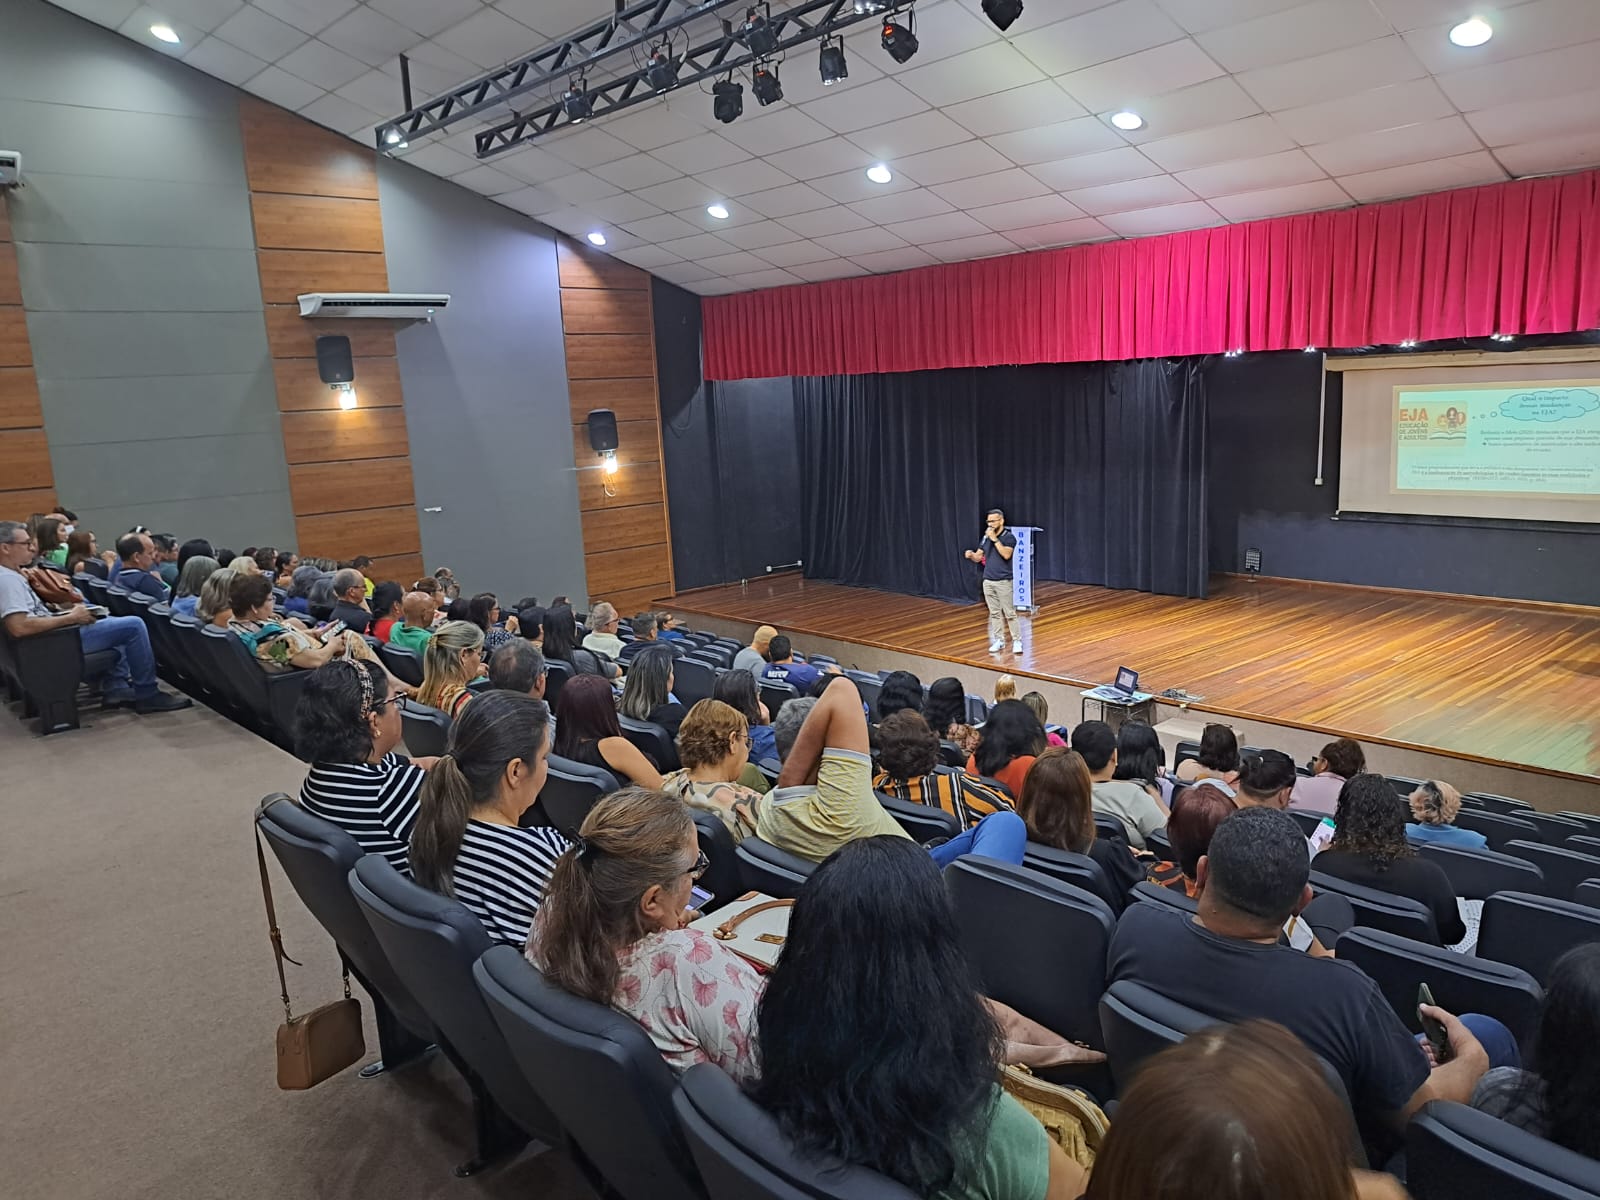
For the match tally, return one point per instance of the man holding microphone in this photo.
(999, 544)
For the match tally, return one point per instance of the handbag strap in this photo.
(272, 930)
(725, 931)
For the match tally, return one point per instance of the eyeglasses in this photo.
(395, 699)
(702, 864)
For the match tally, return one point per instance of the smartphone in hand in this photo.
(1432, 1028)
(699, 898)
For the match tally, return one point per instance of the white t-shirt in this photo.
(17, 597)
(1132, 805)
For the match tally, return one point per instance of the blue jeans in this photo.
(1495, 1038)
(1000, 835)
(136, 662)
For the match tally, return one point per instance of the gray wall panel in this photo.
(170, 279)
(165, 469)
(135, 212)
(485, 388)
(113, 345)
(82, 412)
(231, 521)
(122, 145)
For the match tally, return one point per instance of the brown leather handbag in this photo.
(318, 1044)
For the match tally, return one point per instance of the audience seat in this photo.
(317, 856)
(267, 700)
(1587, 893)
(1553, 827)
(1459, 983)
(1077, 869)
(195, 662)
(97, 589)
(600, 1076)
(1382, 910)
(1591, 821)
(1508, 805)
(722, 876)
(1584, 844)
(433, 942)
(116, 599)
(556, 674)
(1453, 1151)
(977, 710)
(952, 755)
(692, 681)
(45, 671)
(922, 821)
(1160, 845)
(1403, 785)
(1308, 821)
(743, 1155)
(1109, 828)
(158, 624)
(651, 740)
(403, 663)
(1137, 1023)
(1185, 750)
(1498, 827)
(1479, 874)
(427, 729)
(765, 868)
(1563, 869)
(570, 791)
(1154, 893)
(868, 685)
(774, 692)
(1531, 932)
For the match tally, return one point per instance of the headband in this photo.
(366, 684)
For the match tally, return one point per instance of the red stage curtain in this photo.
(1520, 257)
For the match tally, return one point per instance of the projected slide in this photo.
(1517, 439)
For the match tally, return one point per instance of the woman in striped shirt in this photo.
(347, 725)
(468, 842)
(908, 753)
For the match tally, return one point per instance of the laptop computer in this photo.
(1123, 690)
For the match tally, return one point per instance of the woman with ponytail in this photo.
(613, 929)
(452, 659)
(468, 842)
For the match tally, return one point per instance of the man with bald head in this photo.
(753, 658)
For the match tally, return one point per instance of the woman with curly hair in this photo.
(714, 747)
(1370, 849)
(1434, 807)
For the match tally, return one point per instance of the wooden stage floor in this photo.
(1492, 681)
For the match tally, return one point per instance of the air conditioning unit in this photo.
(10, 168)
(406, 306)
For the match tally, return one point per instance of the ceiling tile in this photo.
(372, 89)
(335, 112)
(1538, 76)
(658, 123)
(648, 257)
(1020, 214)
(1294, 33)
(616, 209)
(429, 17)
(200, 14)
(1251, 174)
(716, 287)
(684, 273)
(555, 18)
(1381, 108)
(781, 202)
(1197, 16)
(980, 72)
(949, 163)
(433, 70)
(1249, 138)
(1281, 201)
(942, 228)
(636, 171)
(530, 200)
(1413, 14)
(1092, 170)
(282, 88)
(905, 258)
(579, 187)
(739, 216)
(442, 159)
(1527, 29)
(837, 219)
(925, 131)
(1463, 170)
(531, 164)
(861, 241)
(593, 147)
(310, 16)
(228, 63)
(791, 254)
(983, 245)
(1535, 120)
(741, 179)
(1114, 31)
(854, 185)
(838, 268)
(1168, 219)
(1136, 193)
(1550, 155)
(821, 158)
(574, 221)
(1328, 76)
(664, 228)
(733, 264)
(700, 246)
(1199, 106)
(1016, 108)
(264, 36)
(901, 206)
(110, 13)
(488, 38)
(1117, 84)
(319, 63)
(1060, 233)
(757, 235)
(680, 193)
(879, 102)
(775, 129)
(369, 36)
(995, 188)
(1395, 147)
(771, 277)
(487, 181)
(137, 29)
(1082, 135)
(701, 153)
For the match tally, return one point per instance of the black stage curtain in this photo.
(896, 472)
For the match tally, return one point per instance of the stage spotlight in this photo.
(727, 100)
(662, 72)
(576, 101)
(863, 7)
(393, 137)
(1002, 12)
(831, 64)
(758, 33)
(766, 85)
(899, 41)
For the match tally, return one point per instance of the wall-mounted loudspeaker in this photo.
(603, 430)
(334, 364)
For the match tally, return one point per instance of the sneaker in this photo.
(996, 646)
(161, 702)
(118, 698)
(1016, 645)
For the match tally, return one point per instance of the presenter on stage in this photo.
(999, 544)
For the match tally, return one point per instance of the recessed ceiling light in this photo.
(1474, 31)
(1127, 119)
(166, 33)
(597, 238)
(879, 173)
(719, 211)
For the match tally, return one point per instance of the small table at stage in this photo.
(1136, 706)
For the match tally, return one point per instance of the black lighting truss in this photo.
(633, 30)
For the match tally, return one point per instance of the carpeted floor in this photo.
(138, 1001)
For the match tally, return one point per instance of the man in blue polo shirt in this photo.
(138, 554)
(782, 668)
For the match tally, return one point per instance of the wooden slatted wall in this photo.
(611, 363)
(27, 482)
(314, 197)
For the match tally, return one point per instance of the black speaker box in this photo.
(334, 364)
(603, 430)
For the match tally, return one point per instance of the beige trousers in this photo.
(1002, 612)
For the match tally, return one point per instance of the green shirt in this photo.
(1012, 1162)
(408, 638)
(57, 556)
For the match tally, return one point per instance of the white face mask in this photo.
(69, 529)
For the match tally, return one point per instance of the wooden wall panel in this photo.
(595, 310)
(619, 528)
(285, 274)
(581, 268)
(630, 399)
(5, 222)
(322, 437)
(26, 476)
(10, 285)
(22, 504)
(637, 441)
(300, 389)
(14, 350)
(374, 531)
(286, 153)
(634, 483)
(641, 599)
(611, 356)
(404, 569)
(346, 486)
(618, 570)
(289, 335)
(25, 459)
(316, 223)
(19, 399)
